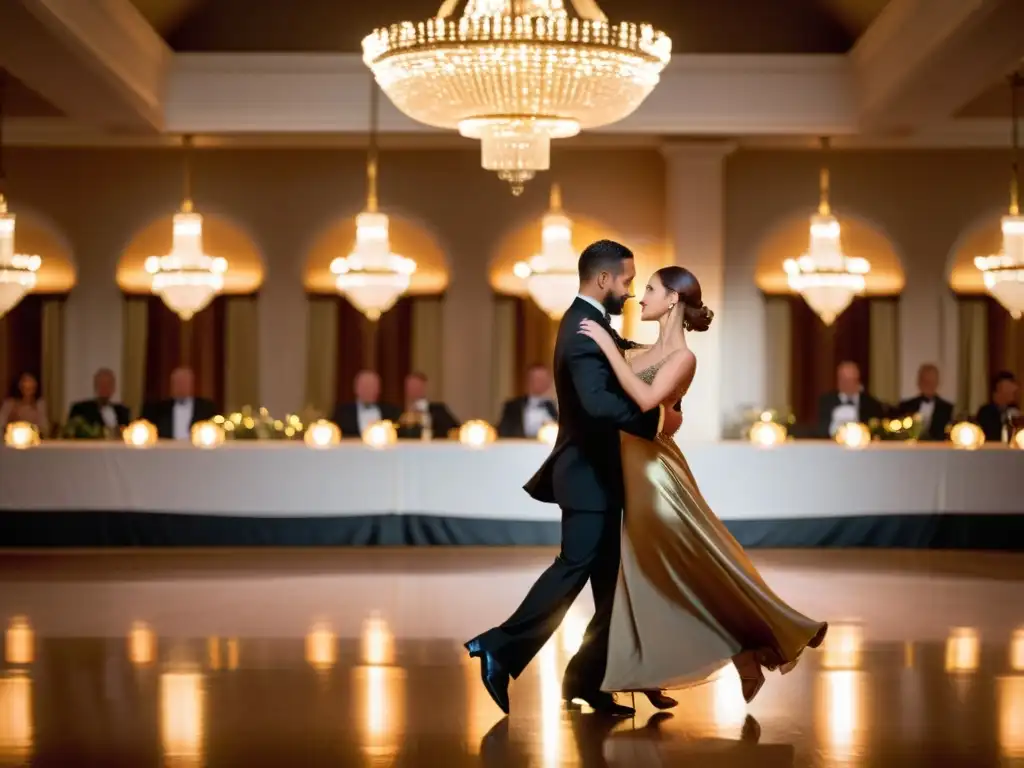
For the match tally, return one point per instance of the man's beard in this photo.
(614, 305)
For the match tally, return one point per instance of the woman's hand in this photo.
(599, 334)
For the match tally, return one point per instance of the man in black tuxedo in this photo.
(583, 475)
(102, 411)
(524, 416)
(1001, 411)
(175, 416)
(421, 412)
(935, 412)
(847, 403)
(354, 418)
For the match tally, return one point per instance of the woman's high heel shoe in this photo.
(660, 700)
(751, 675)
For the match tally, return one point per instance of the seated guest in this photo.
(1001, 411)
(936, 413)
(848, 403)
(524, 416)
(175, 416)
(421, 413)
(25, 403)
(101, 410)
(354, 418)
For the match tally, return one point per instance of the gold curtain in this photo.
(779, 342)
(1013, 346)
(241, 353)
(427, 339)
(973, 368)
(322, 353)
(503, 352)
(884, 349)
(537, 340)
(53, 359)
(135, 316)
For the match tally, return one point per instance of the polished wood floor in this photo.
(353, 658)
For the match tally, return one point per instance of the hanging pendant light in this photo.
(551, 276)
(187, 279)
(825, 277)
(1004, 272)
(371, 277)
(17, 270)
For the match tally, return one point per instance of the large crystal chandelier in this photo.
(1004, 272)
(825, 277)
(516, 74)
(552, 278)
(17, 270)
(187, 279)
(372, 278)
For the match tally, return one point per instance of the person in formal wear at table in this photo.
(583, 475)
(1000, 417)
(422, 413)
(175, 416)
(24, 402)
(354, 418)
(524, 416)
(101, 410)
(847, 403)
(688, 600)
(935, 412)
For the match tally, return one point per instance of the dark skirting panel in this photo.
(135, 529)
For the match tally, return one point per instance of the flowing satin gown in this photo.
(688, 598)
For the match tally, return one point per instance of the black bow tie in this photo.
(927, 399)
(181, 402)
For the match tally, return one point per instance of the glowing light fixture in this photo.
(552, 276)
(516, 74)
(548, 433)
(321, 647)
(380, 435)
(825, 277)
(21, 435)
(206, 434)
(963, 650)
(767, 433)
(322, 434)
(372, 278)
(187, 279)
(476, 434)
(1003, 272)
(140, 434)
(19, 642)
(853, 435)
(967, 436)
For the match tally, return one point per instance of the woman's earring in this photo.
(671, 307)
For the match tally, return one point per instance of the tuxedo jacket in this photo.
(942, 416)
(346, 416)
(89, 412)
(442, 421)
(991, 419)
(584, 471)
(512, 413)
(161, 414)
(868, 408)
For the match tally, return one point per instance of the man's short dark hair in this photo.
(602, 256)
(1001, 376)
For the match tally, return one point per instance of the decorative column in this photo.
(695, 212)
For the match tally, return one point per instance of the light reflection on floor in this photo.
(190, 660)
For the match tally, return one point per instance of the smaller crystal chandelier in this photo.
(17, 270)
(826, 278)
(552, 277)
(1004, 272)
(187, 279)
(372, 277)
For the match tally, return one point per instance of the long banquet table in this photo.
(803, 494)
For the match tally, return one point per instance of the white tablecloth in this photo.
(740, 481)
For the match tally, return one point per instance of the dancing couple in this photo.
(675, 596)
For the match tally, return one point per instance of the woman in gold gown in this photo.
(688, 600)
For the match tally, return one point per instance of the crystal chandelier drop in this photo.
(372, 278)
(516, 74)
(552, 278)
(187, 279)
(17, 270)
(825, 277)
(1004, 272)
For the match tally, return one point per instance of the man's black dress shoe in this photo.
(494, 676)
(600, 701)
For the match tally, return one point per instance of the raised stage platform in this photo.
(804, 494)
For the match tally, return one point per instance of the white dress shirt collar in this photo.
(595, 304)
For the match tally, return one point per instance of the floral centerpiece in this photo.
(78, 428)
(905, 429)
(258, 424)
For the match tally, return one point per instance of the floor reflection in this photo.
(898, 682)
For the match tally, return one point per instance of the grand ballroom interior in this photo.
(280, 286)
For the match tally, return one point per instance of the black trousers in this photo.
(590, 550)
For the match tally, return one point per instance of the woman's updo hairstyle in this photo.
(696, 316)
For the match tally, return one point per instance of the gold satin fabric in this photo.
(688, 598)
